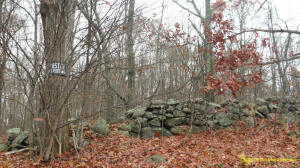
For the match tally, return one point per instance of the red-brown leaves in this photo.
(205, 149)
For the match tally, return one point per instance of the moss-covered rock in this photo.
(101, 127)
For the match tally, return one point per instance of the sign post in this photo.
(58, 68)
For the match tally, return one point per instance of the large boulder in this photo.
(11, 134)
(101, 127)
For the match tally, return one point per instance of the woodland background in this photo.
(117, 58)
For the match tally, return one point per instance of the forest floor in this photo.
(235, 147)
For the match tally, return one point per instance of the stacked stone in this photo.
(166, 118)
(286, 110)
(16, 139)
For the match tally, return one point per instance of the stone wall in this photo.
(168, 117)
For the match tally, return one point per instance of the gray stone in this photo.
(170, 109)
(168, 115)
(210, 124)
(147, 132)
(196, 129)
(129, 113)
(139, 112)
(157, 159)
(157, 102)
(101, 127)
(142, 121)
(198, 122)
(3, 147)
(245, 112)
(263, 110)
(179, 107)
(149, 115)
(172, 102)
(173, 122)
(235, 117)
(134, 135)
(225, 122)
(161, 117)
(273, 108)
(243, 105)
(271, 99)
(259, 114)
(135, 126)
(224, 103)
(235, 110)
(157, 106)
(214, 105)
(162, 131)
(229, 108)
(235, 101)
(219, 116)
(223, 119)
(155, 122)
(177, 130)
(186, 110)
(11, 134)
(21, 140)
(124, 127)
(178, 113)
(261, 102)
(159, 111)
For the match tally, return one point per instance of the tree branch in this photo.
(270, 31)
(294, 57)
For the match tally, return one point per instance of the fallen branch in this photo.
(18, 151)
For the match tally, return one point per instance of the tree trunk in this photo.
(2, 55)
(131, 55)
(58, 22)
(208, 46)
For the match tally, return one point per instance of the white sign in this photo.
(58, 68)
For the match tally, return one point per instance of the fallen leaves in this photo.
(205, 149)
